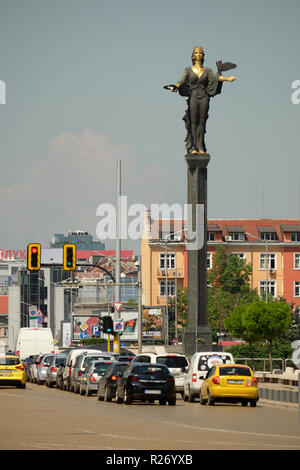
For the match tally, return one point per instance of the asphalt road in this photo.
(39, 418)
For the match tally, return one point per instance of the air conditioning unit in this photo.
(162, 272)
(228, 238)
(177, 238)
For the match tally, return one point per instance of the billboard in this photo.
(86, 326)
(153, 322)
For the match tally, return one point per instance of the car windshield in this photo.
(154, 372)
(9, 361)
(235, 371)
(119, 369)
(210, 360)
(100, 367)
(173, 361)
(92, 358)
(60, 359)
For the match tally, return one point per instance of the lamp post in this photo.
(140, 313)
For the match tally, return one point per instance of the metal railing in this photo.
(260, 362)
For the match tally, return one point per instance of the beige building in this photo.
(163, 259)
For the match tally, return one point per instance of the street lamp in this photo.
(167, 240)
(140, 315)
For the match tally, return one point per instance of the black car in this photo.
(108, 382)
(146, 382)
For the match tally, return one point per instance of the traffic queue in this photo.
(148, 377)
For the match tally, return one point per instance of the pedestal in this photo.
(197, 335)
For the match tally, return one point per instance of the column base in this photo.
(197, 343)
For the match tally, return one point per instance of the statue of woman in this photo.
(199, 84)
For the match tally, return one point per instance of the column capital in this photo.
(197, 161)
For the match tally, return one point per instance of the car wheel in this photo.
(202, 401)
(162, 401)
(191, 397)
(107, 396)
(253, 404)
(127, 397)
(118, 399)
(210, 400)
(244, 403)
(20, 385)
(172, 401)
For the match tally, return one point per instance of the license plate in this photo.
(153, 392)
(235, 382)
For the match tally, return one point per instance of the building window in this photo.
(267, 261)
(210, 237)
(209, 260)
(296, 260)
(296, 289)
(271, 288)
(237, 236)
(268, 236)
(171, 260)
(240, 255)
(162, 288)
(295, 237)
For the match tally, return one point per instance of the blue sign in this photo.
(83, 335)
(96, 330)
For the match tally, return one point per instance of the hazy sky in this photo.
(84, 88)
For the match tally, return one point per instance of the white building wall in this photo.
(14, 315)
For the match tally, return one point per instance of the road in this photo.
(50, 419)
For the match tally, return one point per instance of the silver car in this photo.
(91, 376)
(53, 363)
(80, 365)
(43, 368)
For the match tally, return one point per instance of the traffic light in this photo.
(34, 256)
(108, 325)
(69, 257)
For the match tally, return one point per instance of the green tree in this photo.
(228, 288)
(269, 320)
(235, 324)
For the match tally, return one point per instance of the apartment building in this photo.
(272, 246)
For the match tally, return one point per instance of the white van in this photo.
(32, 341)
(200, 363)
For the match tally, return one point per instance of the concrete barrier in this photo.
(290, 396)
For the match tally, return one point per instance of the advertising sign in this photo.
(152, 322)
(88, 324)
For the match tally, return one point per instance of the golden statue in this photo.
(199, 83)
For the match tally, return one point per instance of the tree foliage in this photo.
(228, 288)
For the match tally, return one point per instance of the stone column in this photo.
(197, 334)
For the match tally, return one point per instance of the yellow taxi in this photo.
(12, 371)
(231, 383)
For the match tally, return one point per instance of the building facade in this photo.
(271, 246)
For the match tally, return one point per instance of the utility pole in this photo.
(118, 254)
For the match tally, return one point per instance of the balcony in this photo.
(172, 273)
